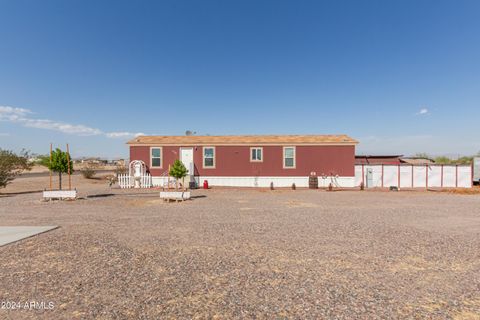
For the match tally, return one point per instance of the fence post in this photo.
(363, 174)
(471, 175)
(441, 177)
(399, 176)
(426, 176)
(382, 174)
(456, 176)
(412, 176)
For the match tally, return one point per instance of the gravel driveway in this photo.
(233, 253)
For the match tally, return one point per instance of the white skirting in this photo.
(344, 182)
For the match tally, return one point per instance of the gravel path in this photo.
(244, 254)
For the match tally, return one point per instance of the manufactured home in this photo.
(250, 161)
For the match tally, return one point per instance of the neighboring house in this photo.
(250, 160)
(34, 160)
(378, 159)
(94, 161)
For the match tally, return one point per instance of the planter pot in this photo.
(175, 195)
(59, 194)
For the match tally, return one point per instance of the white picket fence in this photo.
(414, 176)
(126, 181)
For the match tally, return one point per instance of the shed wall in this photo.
(415, 176)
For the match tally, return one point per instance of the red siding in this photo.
(235, 161)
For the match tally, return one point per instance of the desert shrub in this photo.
(12, 165)
(443, 160)
(446, 160)
(464, 160)
(112, 179)
(88, 172)
(119, 169)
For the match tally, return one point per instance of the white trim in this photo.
(214, 157)
(263, 182)
(161, 158)
(294, 157)
(161, 181)
(261, 152)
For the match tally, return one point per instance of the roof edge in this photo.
(348, 140)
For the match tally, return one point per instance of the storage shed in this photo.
(250, 161)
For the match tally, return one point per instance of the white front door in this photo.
(186, 156)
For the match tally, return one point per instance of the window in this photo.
(256, 154)
(288, 157)
(156, 157)
(208, 157)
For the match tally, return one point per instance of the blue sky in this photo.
(400, 76)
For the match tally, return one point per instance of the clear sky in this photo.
(400, 76)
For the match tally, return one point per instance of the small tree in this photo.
(59, 163)
(178, 171)
(12, 165)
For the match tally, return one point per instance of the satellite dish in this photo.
(190, 133)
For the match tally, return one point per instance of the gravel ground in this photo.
(231, 253)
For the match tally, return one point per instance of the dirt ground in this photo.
(239, 253)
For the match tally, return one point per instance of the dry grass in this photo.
(471, 191)
(300, 204)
